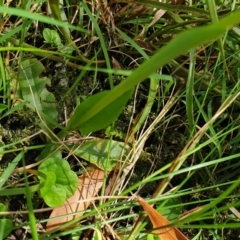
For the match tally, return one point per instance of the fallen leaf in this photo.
(157, 220)
(88, 187)
(157, 16)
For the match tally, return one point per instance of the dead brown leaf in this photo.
(157, 16)
(157, 220)
(89, 185)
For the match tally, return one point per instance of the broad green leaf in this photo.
(33, 89)
(178, 45)
(102, 118)
(52, 195)
(103, 153)
(3, 207)
(60, 182)
(49, 180)
(52, 37)
(48, 104)
(6, 227)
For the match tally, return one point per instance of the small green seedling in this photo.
(52, 37)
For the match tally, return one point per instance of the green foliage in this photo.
(114, 132)
(52, 37)
(49, 151)
(100, 119)
(152, 237)
(3, 207)
(6, 225)
(34, 92)
(57, 180)
(60, 182)
(105, 154)
(187, 40)
(171, 210)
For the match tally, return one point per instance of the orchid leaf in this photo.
(34, 92)
(101, 119)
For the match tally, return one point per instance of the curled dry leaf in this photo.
(157, 220)
(88, 187)
(157, 16)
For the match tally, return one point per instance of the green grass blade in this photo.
(154, 84)
(187, 40)
(7, 172)
(38, 17)
(101, 39)
(190, 92)
(31, 215)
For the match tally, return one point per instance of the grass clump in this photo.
(103, 102)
